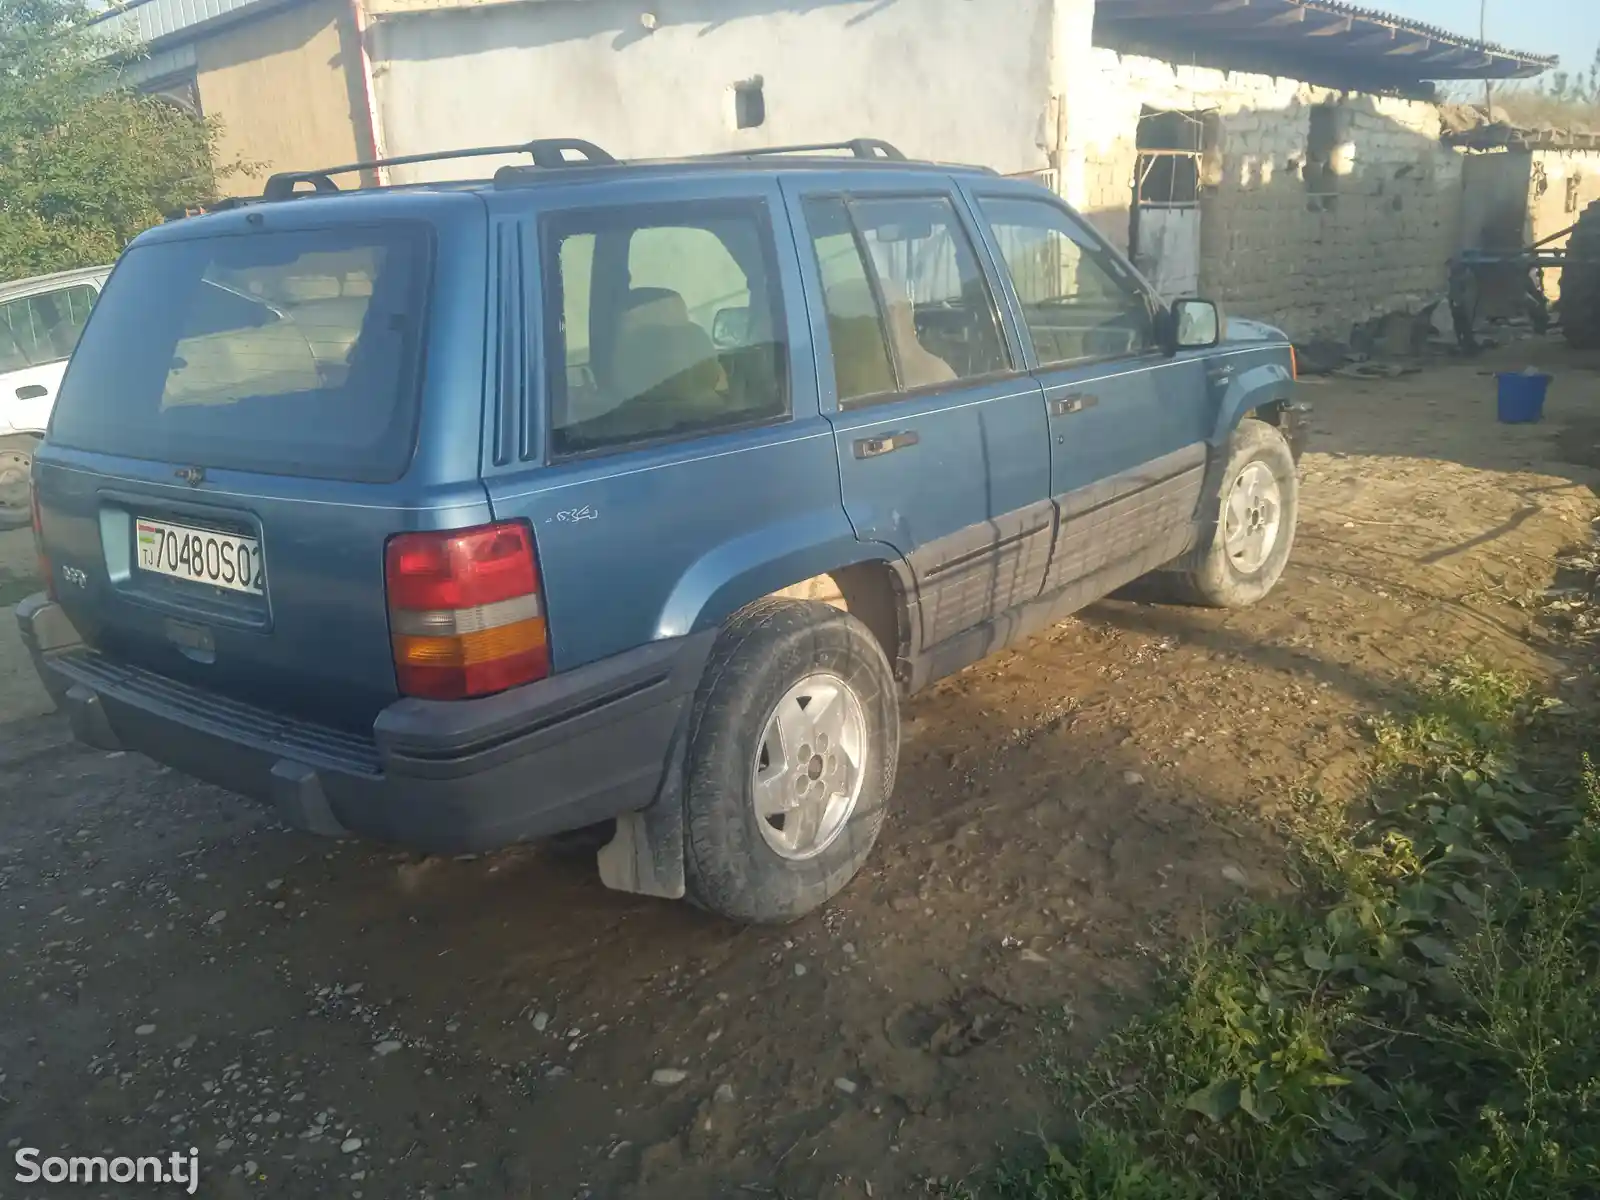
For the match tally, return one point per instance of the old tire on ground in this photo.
(1580, 283)
(792, 754)
(16, 466)
(1258, 509)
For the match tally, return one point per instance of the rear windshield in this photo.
(293, 353)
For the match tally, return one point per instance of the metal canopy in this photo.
(1315, 40)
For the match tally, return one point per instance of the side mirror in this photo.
(1195, 325)
(730, 328)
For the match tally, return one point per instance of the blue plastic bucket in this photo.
(1521, 398)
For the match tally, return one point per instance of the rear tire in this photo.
(1258, 509)
(791, 761)
(16, 470)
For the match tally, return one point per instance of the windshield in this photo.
(293, 353)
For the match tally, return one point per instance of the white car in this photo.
(40, 320)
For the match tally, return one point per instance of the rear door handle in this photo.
(32, 391)
(885, 443)
(1065, 406)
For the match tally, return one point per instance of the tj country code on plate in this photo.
(225, 560)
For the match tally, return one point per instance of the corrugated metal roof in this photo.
(1331, 30)
(1316, 40)
(153, 20)
(1434, 32)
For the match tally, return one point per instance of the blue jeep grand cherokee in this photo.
(625, 496)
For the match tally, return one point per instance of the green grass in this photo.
(1422, 1021)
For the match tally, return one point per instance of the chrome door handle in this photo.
(885, 443)
(1065, 406)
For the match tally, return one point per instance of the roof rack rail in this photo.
(545, 152)
(859, 147)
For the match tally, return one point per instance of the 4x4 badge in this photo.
(193, 476)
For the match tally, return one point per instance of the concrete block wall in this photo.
(1270, 246)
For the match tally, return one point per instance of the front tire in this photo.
(792, 756)
(1258, 511)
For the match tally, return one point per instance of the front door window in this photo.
(1079, 304)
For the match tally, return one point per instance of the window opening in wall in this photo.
(1169, 145)
(750, 104)
(180, 90)
(1324, 139)
(1164, 222)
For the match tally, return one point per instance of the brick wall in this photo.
(1375, 235)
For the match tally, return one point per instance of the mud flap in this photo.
(88, 718)
(645, 856)
(298, 798)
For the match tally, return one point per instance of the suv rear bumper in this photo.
(443, 776)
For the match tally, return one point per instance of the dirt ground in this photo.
(334, 1019)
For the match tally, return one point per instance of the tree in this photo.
(1580, 88)
(85, 163)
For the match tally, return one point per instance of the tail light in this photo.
(465, 614)
(1294, 363)
(46, 572)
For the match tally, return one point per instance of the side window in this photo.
(1077, 301)
(44, 328)
(670, 323)
(940, 314)
(16, 336)
(577, 269)
(861, 365)
(917, 313)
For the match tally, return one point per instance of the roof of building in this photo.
(1315, 40)
(153, 20)
(1307, 39)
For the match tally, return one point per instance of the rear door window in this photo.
(907, 304)
(43, 328)
(293, 353)
(668, 323)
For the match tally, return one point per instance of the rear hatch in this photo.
(237, 439)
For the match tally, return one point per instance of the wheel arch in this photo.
(797, 560)
(1264, 390)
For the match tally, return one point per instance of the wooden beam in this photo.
(1373, 39)
(1160, 10)
(1416, 45)
(1336, 26)
(1256, 18)
(1266, 31)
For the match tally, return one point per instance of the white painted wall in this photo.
(954, 80)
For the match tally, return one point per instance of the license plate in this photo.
(224, 560)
